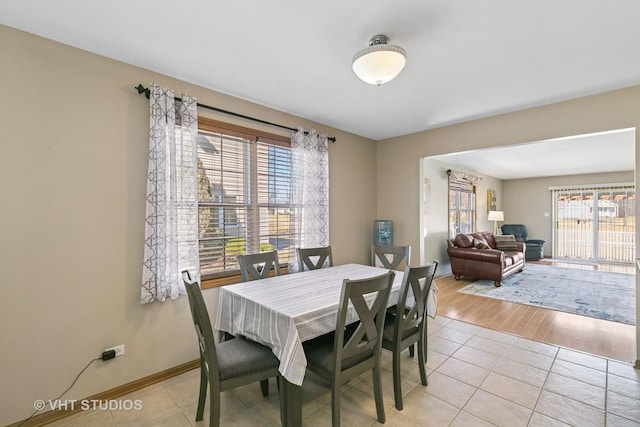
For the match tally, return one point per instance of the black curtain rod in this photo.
(143, 90)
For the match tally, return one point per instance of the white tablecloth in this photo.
(283, 311)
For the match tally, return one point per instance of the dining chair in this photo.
(390, 256)
(408, 326)
(228, 364)
(342, 355)
(258, 266)
(314, 258)
(254, 267)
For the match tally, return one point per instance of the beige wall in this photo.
(73, 167)
(399, 193)
(527, 201)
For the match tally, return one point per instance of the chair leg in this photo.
(214, 407)
(335, 405)
(202, 395)
(283, 418)
(397, 381)
(264, 386)
(377, 391)
(422, 361)
(411, 351)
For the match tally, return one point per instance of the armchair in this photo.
(535, 247)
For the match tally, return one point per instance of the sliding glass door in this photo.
(595, 223)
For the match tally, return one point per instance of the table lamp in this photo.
(495, 216)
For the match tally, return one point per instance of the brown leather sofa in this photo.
(476, 255)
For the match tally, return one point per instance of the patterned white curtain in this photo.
(311, 189)
(171, 223)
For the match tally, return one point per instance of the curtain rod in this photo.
(143, 90)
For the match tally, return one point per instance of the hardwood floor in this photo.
(600, 337)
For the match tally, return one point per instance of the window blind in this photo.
(244, 198)
(462, 205)
(595, 222)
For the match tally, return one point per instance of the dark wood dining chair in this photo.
(406, 325)
(258, 266)
(348, 352)
(228, 364)
(390, 256)
(314, 258)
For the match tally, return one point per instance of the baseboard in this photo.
(51, 416)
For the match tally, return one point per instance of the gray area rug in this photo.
(604, 295)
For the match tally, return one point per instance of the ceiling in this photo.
(466, 59)
(612, 151)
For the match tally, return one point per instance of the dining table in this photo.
(282, 312)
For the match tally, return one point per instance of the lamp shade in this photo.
(496, 216)
(380, 62)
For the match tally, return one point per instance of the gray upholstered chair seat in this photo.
(319, 352)
(389, 324)
(240, 357)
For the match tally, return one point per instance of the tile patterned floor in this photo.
(477, 377)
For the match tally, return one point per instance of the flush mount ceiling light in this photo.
(380, 62)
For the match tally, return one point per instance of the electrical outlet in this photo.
(118, 349)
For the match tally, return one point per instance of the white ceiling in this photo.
(467, 59)
(583, 154)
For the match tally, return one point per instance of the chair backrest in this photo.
(202, 323)
(410, 316)
(369, 297)
(314, 258)
(381, 255)
(258, 266)
(519, 231)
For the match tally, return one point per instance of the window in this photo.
(462, 203)
(595, 222)
(244, 196)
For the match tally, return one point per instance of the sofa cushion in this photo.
(490, 240)
(506, 242)
(479, 237)
(463, 241)
(486, 237)
(512, 258)
(480, 244)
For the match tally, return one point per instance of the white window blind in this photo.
(595, 222)
(462, 206)
(244, 189)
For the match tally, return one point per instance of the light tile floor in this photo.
(477, 377)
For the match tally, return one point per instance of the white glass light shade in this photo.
(380, 62)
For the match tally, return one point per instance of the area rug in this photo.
(600, 294)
